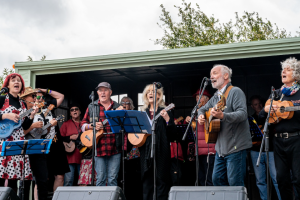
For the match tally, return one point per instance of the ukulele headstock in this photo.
(60, 118)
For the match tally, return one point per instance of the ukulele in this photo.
(69, 146)
(138, 139)
(212, 125)
(39, 133)
(87, 136)
(285, 111)
(7, 126)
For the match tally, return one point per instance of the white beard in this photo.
(219, 83)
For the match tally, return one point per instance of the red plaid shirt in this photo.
(107, 144)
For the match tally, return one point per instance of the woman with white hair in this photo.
(287, 131)
(164, 128)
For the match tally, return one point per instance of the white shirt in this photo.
(221, 92)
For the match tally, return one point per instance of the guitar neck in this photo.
(46, 126)
(26, 113)
(292, 108)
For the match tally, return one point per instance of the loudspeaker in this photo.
(89, 193)
(208, 193)
(6, 193)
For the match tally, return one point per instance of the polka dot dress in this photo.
(11, 167)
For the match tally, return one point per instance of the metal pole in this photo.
(94, 151)
(153, 153)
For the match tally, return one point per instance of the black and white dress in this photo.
(11, 167)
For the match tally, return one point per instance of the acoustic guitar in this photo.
(87, 136)
(212, 125)
(7, 126)
(138, 139)
(285, 111)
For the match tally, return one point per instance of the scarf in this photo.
(288, 91)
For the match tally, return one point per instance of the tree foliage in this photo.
(198, 29)
(5, 72)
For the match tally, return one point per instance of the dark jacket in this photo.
(163, 154)
(97, 109)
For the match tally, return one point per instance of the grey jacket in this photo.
(235, 133)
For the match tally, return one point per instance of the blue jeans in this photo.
(261, 173)
(230, 170)
(107, 167)
(69, 177)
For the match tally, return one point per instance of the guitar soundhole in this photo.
(282, 109)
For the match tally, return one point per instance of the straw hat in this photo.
(28, 91)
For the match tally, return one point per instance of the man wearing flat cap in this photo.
(206, 152)
(109, 147)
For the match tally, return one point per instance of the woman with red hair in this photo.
(11, 106)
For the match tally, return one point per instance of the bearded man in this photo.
(234, 137)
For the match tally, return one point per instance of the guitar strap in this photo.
(77, 141)
(227, 91)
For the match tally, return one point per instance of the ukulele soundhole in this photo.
(282, 109)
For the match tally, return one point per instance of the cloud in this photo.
(78, 28)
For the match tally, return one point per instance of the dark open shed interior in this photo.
(180, 81)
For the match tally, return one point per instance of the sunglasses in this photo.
(126, 103)
(74, 109)
(38, 97)
(33, 96)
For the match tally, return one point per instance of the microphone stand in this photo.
(193, 114)
(94, 151)
(153, 153)
(265, 142)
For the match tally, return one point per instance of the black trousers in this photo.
(39, 169)
(176, 172)
(287, 159)
(206, 169)
(162, 187)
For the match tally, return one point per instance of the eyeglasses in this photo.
(126, 103)
(74, 109)
(33, 96)
(38, 97)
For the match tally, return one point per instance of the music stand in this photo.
(128, 121)
(181, 128)
(25, 147)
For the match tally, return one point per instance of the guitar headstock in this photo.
(50, 107)
(221, 105)
(60, 118)
(169, 107)
(179, 119)
(40, 105)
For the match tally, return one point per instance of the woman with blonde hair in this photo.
(164, 128)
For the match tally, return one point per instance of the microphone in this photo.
(276, 95)
(4, 90)
(207, 79)
(158, 85)
(92, 96)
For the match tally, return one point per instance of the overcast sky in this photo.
(79, 28)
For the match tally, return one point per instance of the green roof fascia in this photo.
(160, 57)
